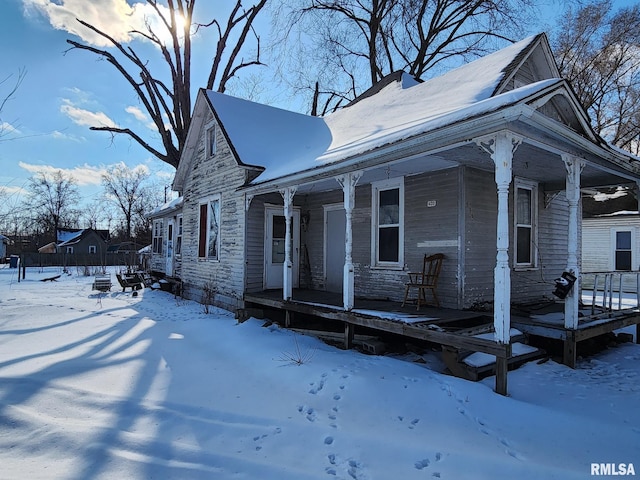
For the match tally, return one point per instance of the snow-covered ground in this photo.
(119, 387)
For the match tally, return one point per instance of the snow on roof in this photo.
(620, 213)
(266, 136)
(66, 236)
(167, 207)
(285, 142)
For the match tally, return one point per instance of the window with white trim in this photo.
(622, 250)
(93, 249)
(525, 218)
(209, 229)
(211, 141)
(387, 215)
(69, 249)
(158, 231)
(179, 235)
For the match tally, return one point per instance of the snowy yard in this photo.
(119, 387)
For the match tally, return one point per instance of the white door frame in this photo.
(328, 208)
(273, 273)
(170, 244)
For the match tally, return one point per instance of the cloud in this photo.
(6, 129)
(83, 174)
(136, 112)
(9, 190)
(115, 17)
(65, 136)
(84, 117)
(139, 115)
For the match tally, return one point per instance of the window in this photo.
(387, 221)
(526, 213)
(622, 252)
(158, 228)
(211, 141)
(209, 229)
(92, 249)
(179, 236)
(69, 249)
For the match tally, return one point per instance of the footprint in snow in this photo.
(309, 412)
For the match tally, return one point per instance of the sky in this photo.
(108, 385)
(46, 123)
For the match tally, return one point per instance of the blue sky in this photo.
(62, 94)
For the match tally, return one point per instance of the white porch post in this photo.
(574, 167)
(287, 281)
(501, 147)
(348, 183)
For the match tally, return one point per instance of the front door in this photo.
(335, 223)
(169, 260)
(275, 228)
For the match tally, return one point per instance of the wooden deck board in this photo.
(429, 323)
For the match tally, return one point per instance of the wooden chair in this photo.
(425, 280)
(102, 283)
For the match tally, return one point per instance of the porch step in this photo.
(476, 365)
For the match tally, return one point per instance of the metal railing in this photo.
(612, 290)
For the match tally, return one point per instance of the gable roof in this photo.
(282, 143)
(71, 236)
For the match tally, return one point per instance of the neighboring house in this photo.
(611, 242)
(4, 242)
(82, 241)
(50, 247)
(483, 164)
(166, 244)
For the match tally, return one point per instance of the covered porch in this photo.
(474, 223)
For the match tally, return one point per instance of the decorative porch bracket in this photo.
(287, 280)
(348, 182)
(247, 201)
(501, 146)
(574, 166)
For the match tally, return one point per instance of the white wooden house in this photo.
(483, 164)
(611, 242)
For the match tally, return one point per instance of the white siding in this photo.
(216, 175)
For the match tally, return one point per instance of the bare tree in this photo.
(12, 85)
(358, 42)
(598, 52)
(170, 100)
(125, 188)
(52, 200)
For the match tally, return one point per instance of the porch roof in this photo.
(283, 142)
(419, 127)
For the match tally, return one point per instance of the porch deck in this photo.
(459, 329)
(593, 321)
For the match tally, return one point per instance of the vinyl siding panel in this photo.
(481, 204)
(527, 285)
(426, 230)
(598, 242)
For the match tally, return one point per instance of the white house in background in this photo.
(484, 164)
(4, 242)
(611, 242)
